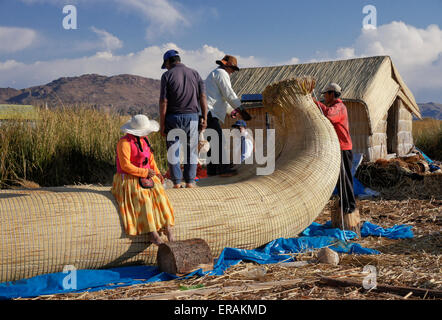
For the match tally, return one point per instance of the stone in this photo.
(328, 256)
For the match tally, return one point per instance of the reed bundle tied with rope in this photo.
(44, 230)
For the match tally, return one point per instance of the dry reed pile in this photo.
(401, 178)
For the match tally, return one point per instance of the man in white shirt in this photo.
(221, 100)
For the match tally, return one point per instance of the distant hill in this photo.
(6, 93)
(431, 110)
(126, 94)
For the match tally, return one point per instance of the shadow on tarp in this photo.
(277, 251)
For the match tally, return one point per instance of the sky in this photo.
(114, 37)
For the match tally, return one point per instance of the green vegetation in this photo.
(427, 136)
(65, 146)
(16, 111)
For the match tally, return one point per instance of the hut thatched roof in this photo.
(373, 81)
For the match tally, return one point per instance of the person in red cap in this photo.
(336, 111)
(221, 100)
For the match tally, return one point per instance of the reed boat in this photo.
(44, 230)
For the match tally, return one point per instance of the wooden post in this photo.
(352, 221)
(180, 257)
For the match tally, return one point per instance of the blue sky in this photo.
(129, 36)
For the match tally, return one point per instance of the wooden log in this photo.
(180, 257)
(420, 292)
(352, 221)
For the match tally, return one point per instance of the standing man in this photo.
(221, 100)
(336, 111)
(182, 93)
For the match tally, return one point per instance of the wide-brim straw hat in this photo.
(228, 61)
(140, 126)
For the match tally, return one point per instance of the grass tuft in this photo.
(427, 134)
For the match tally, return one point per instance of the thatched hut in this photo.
(380, 105)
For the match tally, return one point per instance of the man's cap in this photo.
(228, 61)
(239, 123)
(332, 87)
(169, 54)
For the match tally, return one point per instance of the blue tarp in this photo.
(430, 162)
(358, 188)
(425, 156)
(367, 229)
(314, 237)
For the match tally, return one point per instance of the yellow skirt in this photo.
(142, 210)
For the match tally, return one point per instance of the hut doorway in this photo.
(392, 123)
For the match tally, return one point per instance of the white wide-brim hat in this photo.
(140, 126)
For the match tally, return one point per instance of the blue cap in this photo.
(239, 123)
(169, 54)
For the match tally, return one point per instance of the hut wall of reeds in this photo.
(380, 105)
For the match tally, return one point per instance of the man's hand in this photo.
(203, 123)
(234, 113)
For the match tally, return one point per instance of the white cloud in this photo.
(416, 52)
(9, 64)
(162, 16)
(14, 39)
(146, 62)
(346, 53)
(108, 41)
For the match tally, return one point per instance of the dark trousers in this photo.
(212, 168)
(346, 194)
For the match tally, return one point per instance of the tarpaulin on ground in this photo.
(314, 237)
(430, 162)
(368, 229)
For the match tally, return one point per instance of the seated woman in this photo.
(138, 184)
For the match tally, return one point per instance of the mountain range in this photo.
(431, 110)
(126, 94)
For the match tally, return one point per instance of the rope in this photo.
(341, 172)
